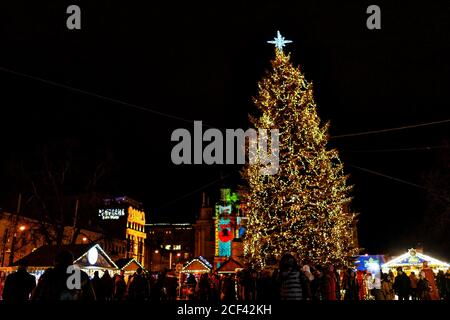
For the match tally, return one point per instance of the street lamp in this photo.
(22, 228)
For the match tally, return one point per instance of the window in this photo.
(177, 247)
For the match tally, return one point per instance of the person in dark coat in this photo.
(108, 286)
(423, 287)
(53, 285)
(204, 287)
(402, 285)
(441, 284)
(351, 285)
(19, 285)
(290, 279)
(120, 286)
(97, 285)
(228, 290)
(138, 289)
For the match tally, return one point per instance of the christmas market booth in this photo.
(230, 266)
(192, 270)
(413, 261)
(88, 257)
(129, 265)
(197, 266)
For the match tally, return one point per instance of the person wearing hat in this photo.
(19, 285)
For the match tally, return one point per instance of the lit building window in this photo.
(167, 247)
(177, 247)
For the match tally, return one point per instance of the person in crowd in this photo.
(319, 284)
(368, 286)
(97, 285)
(429, 274)
(138, 289)
(215, 287)
(289, 279)
(330, 285)
(423, 287)
(249, 284)
(120, 286)
(157, 290)
(338, 284)
(447, 285)
(387, 287)
(204, 288)
(19, 285)
(108, 286)
(351, 286)
(441, 284)
(171, 284)
(53, 284)
(264, 287)
(306, 283)
(413, 279)
(360, 278)
(376, 287)
(391, 276)
(402, 285)
(228, 294)
(192, 284)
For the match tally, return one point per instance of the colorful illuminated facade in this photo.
(229, 222)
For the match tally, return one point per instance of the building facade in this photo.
(219, 229)
(169, 245)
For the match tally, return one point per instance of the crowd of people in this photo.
(289, 281)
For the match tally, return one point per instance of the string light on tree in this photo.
(304, 208)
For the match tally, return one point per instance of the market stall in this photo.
(190, 272)
(230, 266)
(129, 266)
(413, 261)
(89, 257)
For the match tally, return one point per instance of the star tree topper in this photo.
(279, 41)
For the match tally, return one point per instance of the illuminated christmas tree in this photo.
(303, 208)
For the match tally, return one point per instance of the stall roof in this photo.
(45, 256)
(197, 265)
(128, 264)
(230, 266)
(414, 258)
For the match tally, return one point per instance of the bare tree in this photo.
(56, 179)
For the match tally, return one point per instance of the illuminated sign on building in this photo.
(111, 214)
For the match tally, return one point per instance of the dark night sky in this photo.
(202, 63)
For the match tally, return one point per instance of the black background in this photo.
(202, 62)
